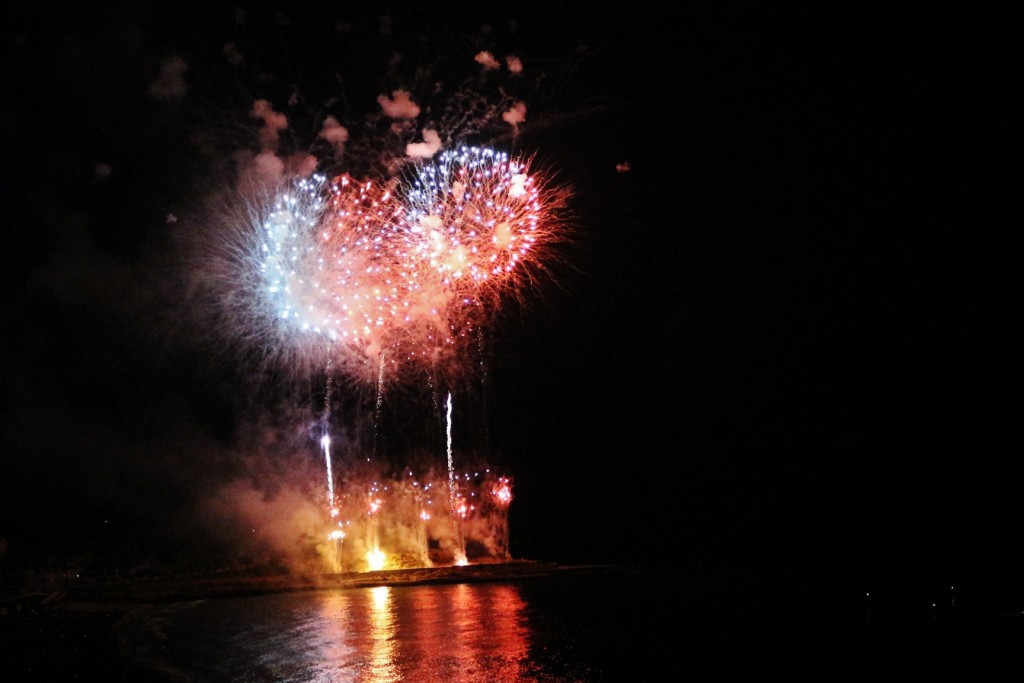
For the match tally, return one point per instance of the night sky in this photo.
(784, 336)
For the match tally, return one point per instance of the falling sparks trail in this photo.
(380, 400)
(481, 350)
(325, 440)
(460, 556)
(451, 465)
(325, 443)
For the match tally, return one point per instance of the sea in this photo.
(589, 626)
(630, 626)
(747, 622)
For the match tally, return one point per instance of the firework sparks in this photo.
(502, 492)
(380, 285)
(368, 256)
(383, 283)
(478, 215)
(371, 283)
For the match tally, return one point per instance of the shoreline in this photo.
(256, 582)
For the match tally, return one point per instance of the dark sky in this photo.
(785, 334)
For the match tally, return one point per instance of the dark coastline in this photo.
(254, 582)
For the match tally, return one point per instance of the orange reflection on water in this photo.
(502, 642)
(383, 667)
(468, 633)
(459, 633)
(465, 619)
(426, 631)
(335, 645)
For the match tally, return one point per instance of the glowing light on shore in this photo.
(376, 559)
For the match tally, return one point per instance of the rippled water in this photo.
(582, 628)
(630, 626)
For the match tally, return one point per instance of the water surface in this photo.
(580, 628)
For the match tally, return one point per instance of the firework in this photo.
(399, 319)
(402, 519)
(328, 267)
(248, 273)
(385, 272)
(480, 217)
(292, 265)
(383, 283)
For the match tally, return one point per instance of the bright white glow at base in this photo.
(376, 560)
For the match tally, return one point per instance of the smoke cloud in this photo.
(170, 85)
(399, 105)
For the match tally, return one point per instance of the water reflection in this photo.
(427, 628)
(460, 633)
(463, 633)
(383, 667)
(335, 644)
(508, 652)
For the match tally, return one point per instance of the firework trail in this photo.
(448, 437)
(380, 401)
(456, 505)
(325, 438)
